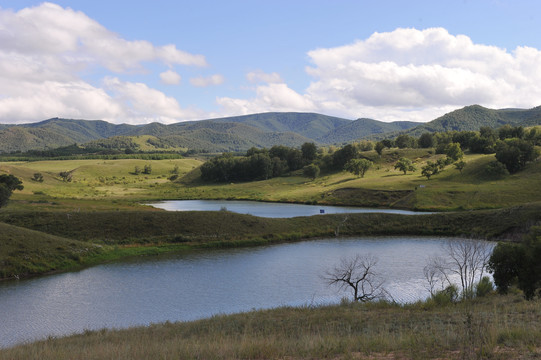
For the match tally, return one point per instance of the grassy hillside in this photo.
(489, 328)
(382, 186)
(27, 252)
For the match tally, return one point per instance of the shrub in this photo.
(484, 287)
(449, 295)
(496, 169)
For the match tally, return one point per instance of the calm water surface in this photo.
(201, 284)
(266, 209)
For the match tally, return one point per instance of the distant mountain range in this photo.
(260, 130)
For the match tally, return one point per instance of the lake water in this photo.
(268, 209)
(190, 286)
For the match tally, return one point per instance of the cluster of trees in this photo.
(481, 142)
(261, 164)
(8, 184)
(518, 264)
(514, 147)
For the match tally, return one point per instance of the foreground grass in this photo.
(495, 327)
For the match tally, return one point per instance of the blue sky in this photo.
(170, 61)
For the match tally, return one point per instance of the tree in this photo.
(404, 141)
(379, 147)
(345, 154)
(496, 169)
(37, 177)
(404, 165)
(429, 169)
(518, 264)
(279, 166)
(147, 169)
(459, 165)
(426, 140)
(66, 176)
(453, 151)
(311, 171)
(358, 166)
(8, 184)
(504, 265)
(465, 259)
(515, 154)
(309, 151)
(357, 274)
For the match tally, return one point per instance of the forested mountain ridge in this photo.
(472, 118)
(239, 133)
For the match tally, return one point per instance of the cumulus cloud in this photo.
(417, 73)
(212, 80)
(45, 51)
(170, 77)
(144, 104)
(271, 97)
(260, 76)
(406, 74)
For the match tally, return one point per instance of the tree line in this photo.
(513, 147)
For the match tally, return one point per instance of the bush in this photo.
(496, 169)
(311, 171)
(449, 295)
(484, 287)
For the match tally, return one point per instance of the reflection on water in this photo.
(201, 284)
(270, 210)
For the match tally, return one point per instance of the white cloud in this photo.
(413, 73)
(46, 49)
(47, 99)
(260, 76)
(170, 77)
(271, 97)
(406, 74)
(144, 104)
(212, 80)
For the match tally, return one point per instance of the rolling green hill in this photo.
(471, 118)
(239, 133)
(359, 128)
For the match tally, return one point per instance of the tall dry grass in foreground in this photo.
(495, 327)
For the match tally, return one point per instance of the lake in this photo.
(269, 209)
(200, 284)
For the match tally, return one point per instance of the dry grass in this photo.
(495, 327)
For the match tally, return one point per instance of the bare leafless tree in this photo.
(357, 273)
(465, 259)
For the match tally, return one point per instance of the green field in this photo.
(103, 182)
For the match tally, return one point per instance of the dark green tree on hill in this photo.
(345, 154)
(515, 154)
(453, 151)
(309, 152)
(426, 140)
(8, 184)
(518, 264)
(358, 166)
(404, 165)
(311, 171)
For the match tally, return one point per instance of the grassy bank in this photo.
(41, 236)
(495, 327)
